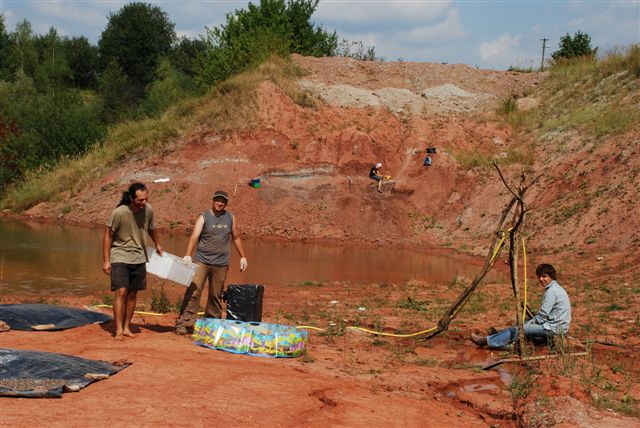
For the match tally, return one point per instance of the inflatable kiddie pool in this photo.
(252, 338)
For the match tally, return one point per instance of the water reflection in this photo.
(67, 260)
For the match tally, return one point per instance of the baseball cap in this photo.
(221, 194)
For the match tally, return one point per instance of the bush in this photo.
(251, 36)
(171, 86)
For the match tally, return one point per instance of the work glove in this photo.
(187, 259)
(243, 264)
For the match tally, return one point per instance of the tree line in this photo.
(59, 95)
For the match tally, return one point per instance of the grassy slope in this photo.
(230, 107)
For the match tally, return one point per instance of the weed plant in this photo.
(160, 302)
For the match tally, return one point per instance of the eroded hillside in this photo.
(313, 162)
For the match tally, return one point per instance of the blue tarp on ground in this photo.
(46, 375)
(48, 317)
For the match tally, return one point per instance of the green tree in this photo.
(577, 46)
(82, 58)
(187, 54)
(118, 92)
(41, 127)
(136, 37)
(172, 85)
(23, 53)
(251, 35)
(52, 69)
(5, 45)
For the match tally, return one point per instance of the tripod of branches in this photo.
(510, 232)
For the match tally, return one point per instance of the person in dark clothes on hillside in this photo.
(375, 174)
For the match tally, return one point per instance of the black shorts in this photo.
(375, 177)
(131, 277)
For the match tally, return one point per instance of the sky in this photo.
(486, 34)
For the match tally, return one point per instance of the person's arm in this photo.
(193, 239)
(237, 242)
(548, 300)
(107, 239)
(154, 236)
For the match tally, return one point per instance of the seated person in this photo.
(553, 318)
(375, 174)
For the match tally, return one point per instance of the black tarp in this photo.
(46, 375)
(48, 317)
(244, 302)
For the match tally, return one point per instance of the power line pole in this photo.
(544, 45)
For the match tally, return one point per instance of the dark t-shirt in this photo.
(215, 238)
(373, 173)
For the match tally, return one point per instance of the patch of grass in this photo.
(472, 158)
(522, 384)
(508, 105)
(426, 362)
(613, 307)
(571, 211)
(160, 302)
(311, 284)
(107, 299)
(421, 223)
(413, 304)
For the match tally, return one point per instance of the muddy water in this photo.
(50, 259)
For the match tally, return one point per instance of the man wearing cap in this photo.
(375, 174)
(212, 233)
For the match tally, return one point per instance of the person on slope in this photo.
(375, 174)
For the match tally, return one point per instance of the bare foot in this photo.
(119, 336)
(128, 333)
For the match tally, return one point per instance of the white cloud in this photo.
(500, 48)
(385, 14)
(449, 29)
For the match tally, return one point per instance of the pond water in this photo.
(52, 259)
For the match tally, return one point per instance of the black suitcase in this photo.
(244, 302)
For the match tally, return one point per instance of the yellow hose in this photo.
(366, 330)
(135, 312)
(524, 261)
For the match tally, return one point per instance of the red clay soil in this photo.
(313, 163)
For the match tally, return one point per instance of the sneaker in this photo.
(182, 330)
(478, 339)
(379, 191)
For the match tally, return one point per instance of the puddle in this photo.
(39, 257)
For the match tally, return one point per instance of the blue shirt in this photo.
(555, 311)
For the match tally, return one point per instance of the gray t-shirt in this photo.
(129, 244)
(214, 240)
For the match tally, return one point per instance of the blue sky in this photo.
(488, 34)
